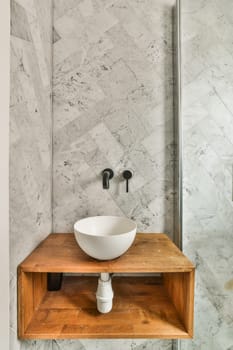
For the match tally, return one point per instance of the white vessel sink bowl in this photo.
(105, 237)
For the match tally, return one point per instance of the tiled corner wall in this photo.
(106, 98)
(207, 57)
(30, 136)
(113, 107)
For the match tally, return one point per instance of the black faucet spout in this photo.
(107, 175)
(106, 180)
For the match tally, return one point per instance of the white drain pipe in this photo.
(104, 293)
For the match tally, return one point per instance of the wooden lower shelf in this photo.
(141, 309)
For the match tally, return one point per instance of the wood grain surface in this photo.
(141, 309)
(149, 253)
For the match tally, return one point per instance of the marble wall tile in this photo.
(132, 344)
(30, 138)
(19, 22)
(113, 98)
(208, 159)
(113, 81)
(111, 93)
(103, 90)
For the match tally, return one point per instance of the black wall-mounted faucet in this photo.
(107, 175)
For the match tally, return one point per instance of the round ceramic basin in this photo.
(105, 237)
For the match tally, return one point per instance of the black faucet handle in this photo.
(127, 174)
(107, 175)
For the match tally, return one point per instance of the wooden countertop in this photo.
(150, 253)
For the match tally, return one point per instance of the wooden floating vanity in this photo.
(149, 306)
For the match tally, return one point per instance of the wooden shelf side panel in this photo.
(180, 288)
(32, 287)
